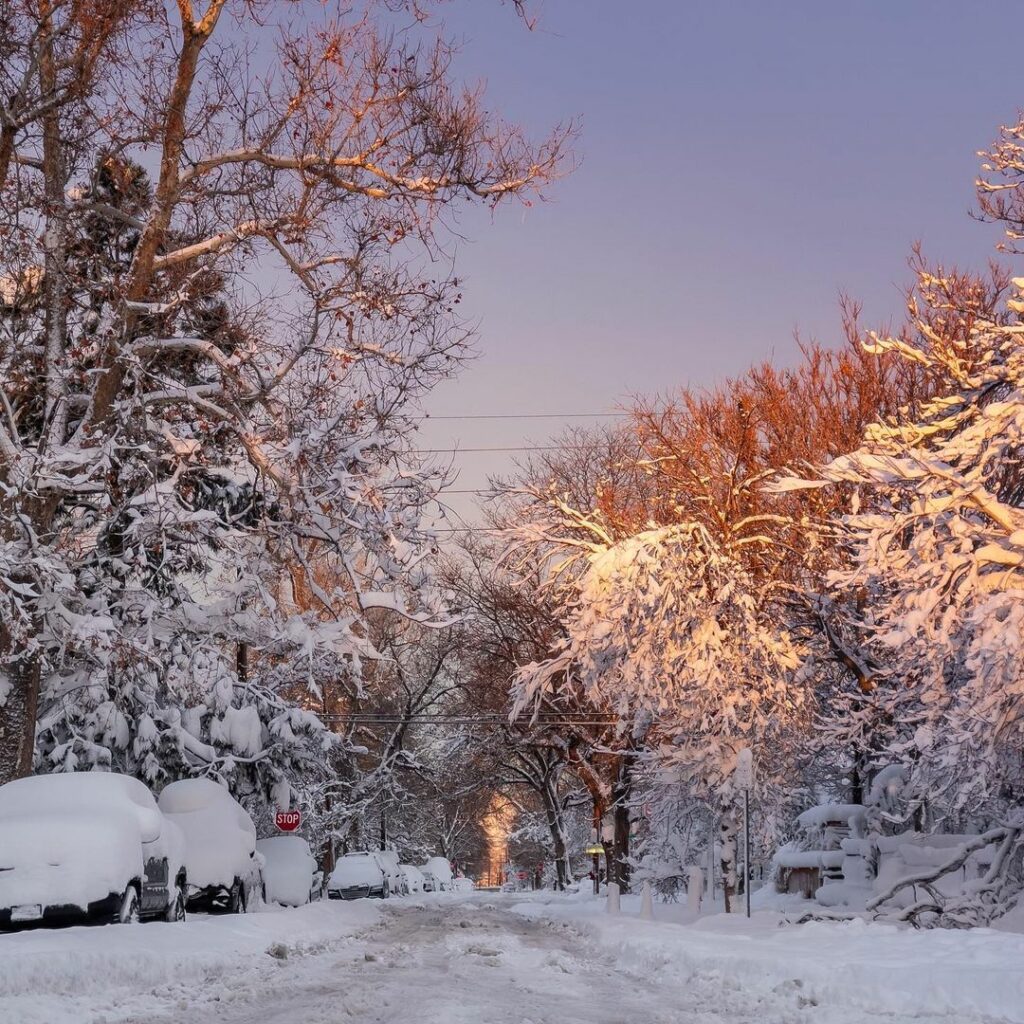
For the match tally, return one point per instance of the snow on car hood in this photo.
(361, 870)
(71, 860)
(288, 869)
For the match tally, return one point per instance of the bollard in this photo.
(646, 902)
(613, 898)
(694, 888)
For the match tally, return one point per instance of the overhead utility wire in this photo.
(516, 448)
(532, 416)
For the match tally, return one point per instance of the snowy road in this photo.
(473, 962)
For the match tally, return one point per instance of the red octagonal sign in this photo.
(288, 821)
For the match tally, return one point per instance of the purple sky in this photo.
(741, 163)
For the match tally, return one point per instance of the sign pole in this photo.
(746, 848)
(744, 779)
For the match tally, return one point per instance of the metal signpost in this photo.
(744, 776)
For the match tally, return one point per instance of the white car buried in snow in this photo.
(413, 877)
(388, 861)
(290, 873)
(437, 875)
(220, 846)
(356, 876)
(87, 846)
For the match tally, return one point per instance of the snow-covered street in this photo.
(502, 960)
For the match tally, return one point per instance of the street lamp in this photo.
(595, 852)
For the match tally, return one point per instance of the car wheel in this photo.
(129, 909)
(176, 908)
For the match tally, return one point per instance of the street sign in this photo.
(288, 821)
(744, 773)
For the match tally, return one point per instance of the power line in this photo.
(518, 448)
(565, 720)
(532, 416)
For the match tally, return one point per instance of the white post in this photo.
(646, 902)
(694, 888)
(612, 906)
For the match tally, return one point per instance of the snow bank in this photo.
(881, 969)
(52, 976)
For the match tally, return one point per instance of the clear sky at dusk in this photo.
(741, 163)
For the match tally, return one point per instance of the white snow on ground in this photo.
(92, 974)
(494, 959)
(872, 968)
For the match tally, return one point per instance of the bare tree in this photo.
(253, 313)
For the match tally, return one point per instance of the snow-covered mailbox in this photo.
(816, 858)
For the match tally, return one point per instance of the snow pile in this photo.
(878, 968)
(220, 837)
(287, 870)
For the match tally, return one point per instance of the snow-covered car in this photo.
(290, 873)
(356, 876)
(388, 860)
(413, 877)
(224, 870)
(437, 875)
(463, 884)
(87, 846)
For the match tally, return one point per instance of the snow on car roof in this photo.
(98, 793)
(220, 836)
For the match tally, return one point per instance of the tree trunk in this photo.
(622, 792)
(553, 813)
(20, 677)
(728, 832)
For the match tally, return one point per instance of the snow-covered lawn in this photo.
(975, 975)
(507, 959)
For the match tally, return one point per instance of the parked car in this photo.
(291, 876)
(224, 870)
(437, 875)
(388, 860)
(463, 884)
(413, 877)
(87, 846)
(356, 876)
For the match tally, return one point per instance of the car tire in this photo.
(129, 912)
(176, 908)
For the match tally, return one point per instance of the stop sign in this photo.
(288, 821)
